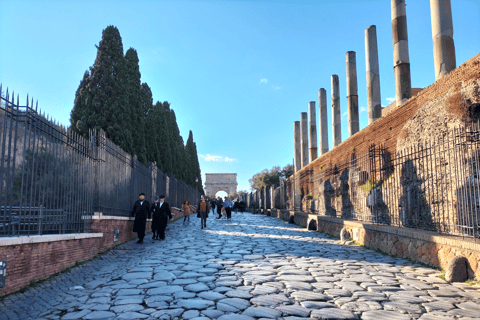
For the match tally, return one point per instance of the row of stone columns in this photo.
(305, 131)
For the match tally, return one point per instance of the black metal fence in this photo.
(52, 180)
(430, 186)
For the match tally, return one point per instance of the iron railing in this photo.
(430, 186)
(53, 180)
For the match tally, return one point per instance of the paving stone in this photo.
(384, 315)
(239, 293)
(76, 315)
(438, 306)
(262, 312)
(132, 315)
(310, 296)
(212, 314)
(333, 314)
(235, 317)
(317, 305)
(189, 314)
(137, 275)
(99, 315)
(211, 295)
(271, 300)
(198, 303)
(164, 290)
(295, 310)
(197, 287)
(126, 292)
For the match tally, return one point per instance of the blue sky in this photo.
(237, 73)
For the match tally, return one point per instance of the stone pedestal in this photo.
(401, 60)
(323, 120)
(352, 93)
(442, 35)
(374, 100)
(304, 138)
(312, 130)
(336, 116)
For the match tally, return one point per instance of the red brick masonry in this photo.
(31, 259)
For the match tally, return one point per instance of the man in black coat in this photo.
(141, 211)
(161, 214)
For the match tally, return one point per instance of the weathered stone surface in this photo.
(457, 269)
(262, 312)
(295, 310)
(384, 315)
(198, 303)
(333, 314)
(350, 281)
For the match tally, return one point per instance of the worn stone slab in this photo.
(99, 315)
(237, 303)
(262, 312)
(295, 310)
(211, 295)
(235, 317)
(197, 287)
(132, 315)
(239, 293)
(198, 303)
(317, 305)
(384, 315)
(270, 300)
(309, 296)
(333, 314)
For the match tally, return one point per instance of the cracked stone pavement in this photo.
(250, 267)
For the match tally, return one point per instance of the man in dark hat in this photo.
(141, 211)
(162, 210)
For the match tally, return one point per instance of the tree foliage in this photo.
(112, 97)
(269, 178)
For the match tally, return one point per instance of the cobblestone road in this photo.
(253, 267)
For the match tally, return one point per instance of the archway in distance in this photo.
(221, 194)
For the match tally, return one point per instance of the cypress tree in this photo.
(103, 103)
(80, 106)
(136, 108)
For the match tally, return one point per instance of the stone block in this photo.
(457, 269)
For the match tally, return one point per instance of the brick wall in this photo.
(39, 257)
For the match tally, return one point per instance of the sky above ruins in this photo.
(237, 73)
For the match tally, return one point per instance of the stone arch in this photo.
(215, 182)
(312, 225)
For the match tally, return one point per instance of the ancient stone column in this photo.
(401, 61)
(336, 117)
(352, 93)
(297, 153)
(304, 138)
(312, 130)
(442, 34)
(374, 100)
(323, 121)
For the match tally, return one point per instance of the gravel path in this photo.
(252, 267)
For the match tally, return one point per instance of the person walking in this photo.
(162, 211)
(187, 210)
(202, 210)
(212, 205)
(228, 204)
(141, 211)
(219, 207)
(155, 209)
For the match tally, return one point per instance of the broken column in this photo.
(401, 61)
(352, 93)
(322, 103)
(312, 130)
(297, 154)
(374, 100)
(442, 34)
(304, 138)
(336, 117)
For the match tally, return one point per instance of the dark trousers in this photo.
(203, 216)
(163, 225)
(219, 212)
(229, 212)
(141, 235)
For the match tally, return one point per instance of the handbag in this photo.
(198, 214)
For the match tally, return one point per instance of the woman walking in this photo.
(187, 210)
